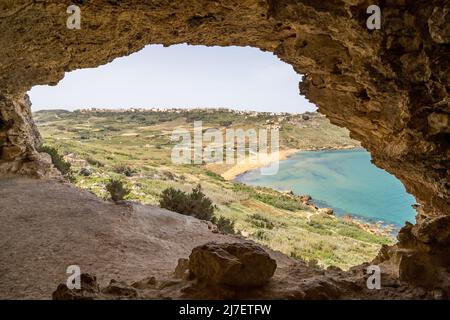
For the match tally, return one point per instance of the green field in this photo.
(137, 146)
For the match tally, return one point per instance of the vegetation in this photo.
(123, 169)
(134, 150)
(224, 224)
(117, 189)
(57, 159)
(194, 204)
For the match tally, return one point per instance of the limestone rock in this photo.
(121, 290)
(322, 290)
(86, 172)
(389, 87)
(147, 283)
(438, 25)
(181, 271)
(89, 290)
(233, 264)
(434, 230)
(327, 211)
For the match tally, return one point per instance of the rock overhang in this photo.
(389, 87)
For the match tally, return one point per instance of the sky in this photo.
(183, 76)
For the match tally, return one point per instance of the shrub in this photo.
(84, 136)
(57, 159)
(224, 224)
(200, 205)
(94, 162)
(261, 235)
(169, 175)
(214, 175)
(260, 221)
(194, 204)
(280, 201)
(117, 190)
(174, 200)
(123, 169)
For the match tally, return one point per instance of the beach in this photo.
(230, 172)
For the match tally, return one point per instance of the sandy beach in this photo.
(230, 172)
(248, 165)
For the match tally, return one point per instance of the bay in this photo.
(344, 180)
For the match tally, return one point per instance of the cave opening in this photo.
(375, 83)
(117, 121)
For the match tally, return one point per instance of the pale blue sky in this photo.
(181, 76)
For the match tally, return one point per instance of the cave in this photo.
(388, 86)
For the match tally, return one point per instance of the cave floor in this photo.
(48, 225)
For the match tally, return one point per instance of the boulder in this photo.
(120, 289)
(327, 211)
(434, 230)
(89, 290)
(233, 264)
(86, 172)
(147, 283)
(181, 271)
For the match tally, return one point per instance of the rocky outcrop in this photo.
(326, 211)
(389, 87)
(422, 255)
(297, 282)
(232, 264)
(20, 139)
(89, 290)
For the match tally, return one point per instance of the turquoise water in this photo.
(345, 181)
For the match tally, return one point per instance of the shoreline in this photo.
(375, 227)
(244, 167)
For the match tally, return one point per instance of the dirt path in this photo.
(47, 226)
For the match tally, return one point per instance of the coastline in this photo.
(380, 228)
(244, 167)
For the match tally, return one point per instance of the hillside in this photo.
(136, 147)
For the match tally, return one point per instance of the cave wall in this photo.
(389, 87)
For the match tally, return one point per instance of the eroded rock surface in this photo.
(233, 264)
(298, 281)
(89, 290)
(389, 87)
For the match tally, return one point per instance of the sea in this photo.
(344, 180)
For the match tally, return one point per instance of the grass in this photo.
(136, 148)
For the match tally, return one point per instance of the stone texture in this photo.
(389, 87)
(89, 290)
(422, 255)
(182, 269)
(294, 280)
(120, 289)
(327, 211)
(233, 264)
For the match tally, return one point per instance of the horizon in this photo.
(245, 78)
(164, 109)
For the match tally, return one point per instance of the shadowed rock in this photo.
(389, 87)
(89, 290)
(233, 264)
